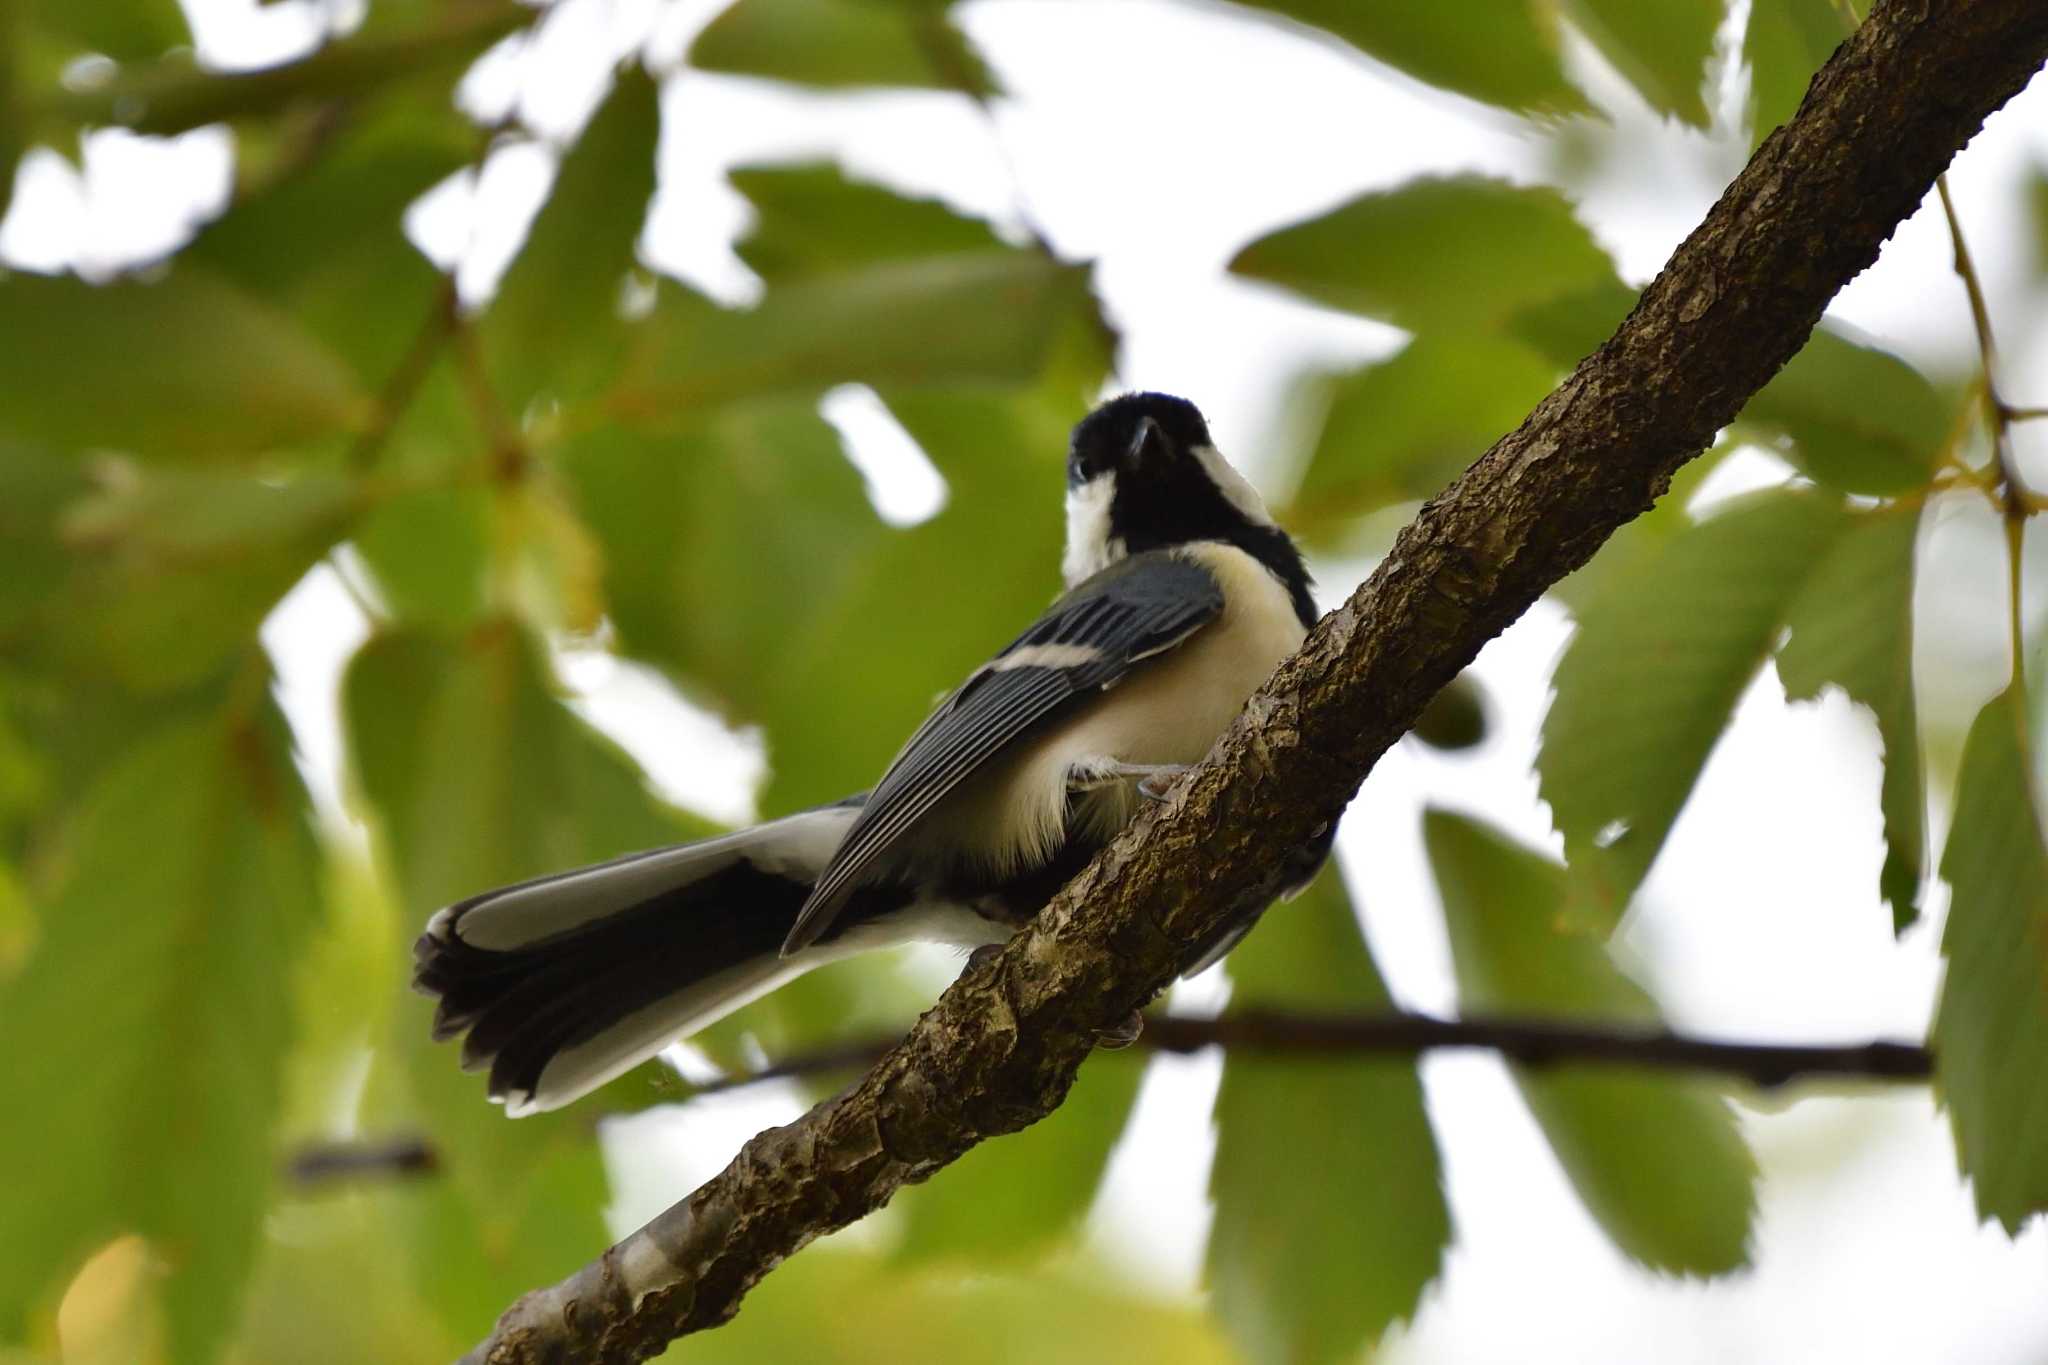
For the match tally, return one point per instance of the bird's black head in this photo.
(1143, 474)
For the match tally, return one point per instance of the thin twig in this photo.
(411, 372)
(1326, 1037)
(2016, 499)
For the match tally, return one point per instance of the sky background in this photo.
(1156, 138)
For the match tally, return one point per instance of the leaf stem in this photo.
(2016, 501)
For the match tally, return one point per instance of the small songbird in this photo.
(1182, 597)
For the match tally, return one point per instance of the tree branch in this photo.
(1326, 1036)
(1002, 1046)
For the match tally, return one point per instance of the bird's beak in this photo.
(1148, 442)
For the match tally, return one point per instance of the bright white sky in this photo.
(1156, 138)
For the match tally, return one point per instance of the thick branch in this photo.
(1001, 1047)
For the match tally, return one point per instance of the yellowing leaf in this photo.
(1658, 1161)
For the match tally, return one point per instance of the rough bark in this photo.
(1001, 1047)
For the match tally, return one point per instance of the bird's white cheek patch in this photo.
(1233, 486)
(1090, 546)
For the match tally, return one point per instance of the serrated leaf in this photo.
(1857, 418)
(813, 220)
(1401, 429)
(555, 326)
(842, 44)
(1991, 1029)
(1662, 47)
(1852, 628)
(159, 1001)
(986, 317)
(327, 244)
(1650, 680)
(1787, 41)
(1657, 1161)
(188, 366)
(1503, 52)
(1434, 255)
(1013, 1200)
(1330, 1212)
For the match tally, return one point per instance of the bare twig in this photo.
(1328, 1037)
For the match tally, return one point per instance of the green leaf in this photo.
(327, 244)
(126, 30)
(1330, 1213)
(1504, 52)
(188, 366)
(1787, 41)
(554, 326)
(851, 1308)
(812, 220)
(1662, 47)
(479, 774)
(985, 317)
(1852, 628)
(176, 94)
(1649, 682)
(843, 44)
(1857, 418)
(1991, 1028)
(725, 544)
(1569, 327)
(894, 636)
(173, 570)
(1399, 430)
(1637, 543)
(159, 1001)
(1434, 254)
(1011, 1200)
(1657, 1161)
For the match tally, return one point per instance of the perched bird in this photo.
(1182, 597)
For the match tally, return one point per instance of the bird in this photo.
(1182, 595)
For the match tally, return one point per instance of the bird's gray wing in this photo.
(1086, 641)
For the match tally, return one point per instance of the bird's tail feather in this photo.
(564, 982)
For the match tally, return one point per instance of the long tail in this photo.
(566, 981)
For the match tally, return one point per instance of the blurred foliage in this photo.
(1657, 1161)
(212, 975)
(1318, 1268)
